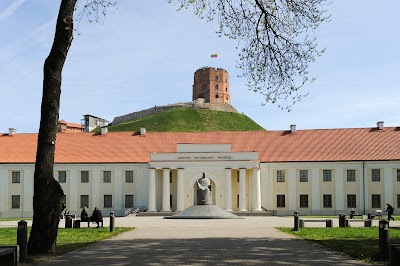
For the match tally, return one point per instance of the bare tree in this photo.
(276, 41)
(48, 199)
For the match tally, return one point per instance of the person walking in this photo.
(390, 211)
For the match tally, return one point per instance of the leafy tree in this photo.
(275, 53)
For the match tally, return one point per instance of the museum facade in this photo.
(315, 172)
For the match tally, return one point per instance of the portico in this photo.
(235, 176)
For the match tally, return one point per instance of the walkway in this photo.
(248, 241)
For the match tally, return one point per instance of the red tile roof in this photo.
(353, 144)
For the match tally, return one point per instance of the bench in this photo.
(8, 255)
(328, 222)
(356, 215)
(77, 223)
(367, 222)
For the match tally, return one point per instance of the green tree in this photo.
(275, 51)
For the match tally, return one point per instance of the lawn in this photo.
(361, 243)
(68, 238)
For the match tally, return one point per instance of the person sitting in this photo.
(352, 213)
(97, 217)
(85, 216)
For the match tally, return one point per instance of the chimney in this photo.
(380, 125)
(12, 131)
(104, 130)
(142, 130)
(293, 128)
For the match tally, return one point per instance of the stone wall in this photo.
(197, 104)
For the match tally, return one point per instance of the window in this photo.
(376, 175)
(351, 175)
(398, 200)
(129, 176)
(62, 177)
(327, 201)
(303, 201)
(238, 200)
(203, 87)
(303, 175)
(85, 178)
(226, 89)
(84, 201)
(238, 176)
(398, 174)
(16, 177)
(326, 175)
(280, 176)
(216, 78)
(280, 201)
(107, 177)
(128, 201)
(376, 201)
(15, 201)
(351, 201)
(216, 87)
(107, 201)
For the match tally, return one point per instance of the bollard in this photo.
(22, 240)
(342, 220)
(112, 221)
(296, 221)
(384, 240)
(68, 221)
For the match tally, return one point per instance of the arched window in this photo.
(226, 89)
(216, 96)
(216, 78)
(216, 87)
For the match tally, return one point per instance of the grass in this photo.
(68, 238)
(15, 219)
(361, 243)
(183, 119)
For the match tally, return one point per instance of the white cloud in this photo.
(11, 9)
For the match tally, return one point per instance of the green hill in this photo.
(183, 119)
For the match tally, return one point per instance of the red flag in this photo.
(214, 55)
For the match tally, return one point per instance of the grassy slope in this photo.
(190, 120)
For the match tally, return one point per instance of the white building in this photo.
(326, 171)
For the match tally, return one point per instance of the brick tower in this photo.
(211, 84)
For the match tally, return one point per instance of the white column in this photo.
(388, 185)
(256, 190)
(242, 190)
(228, 189)
(166, 192)
(4, 193)
(292, 189)
(97, 178)
(315, 188)
(72, 198)
(179, 192)
(339, 188)
(28, 193)
(118, 192)
(152, 190)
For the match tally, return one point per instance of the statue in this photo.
(203, 191)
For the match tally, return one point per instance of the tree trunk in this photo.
(48, 199)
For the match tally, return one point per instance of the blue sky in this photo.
(145, 54)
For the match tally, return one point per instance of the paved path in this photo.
(248, 241)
